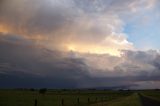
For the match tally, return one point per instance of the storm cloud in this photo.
(59, 24)
(24, 64)
(73, 44)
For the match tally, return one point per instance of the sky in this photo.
(80, 44)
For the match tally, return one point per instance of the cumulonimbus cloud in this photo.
(62, 24)
(21, 60)
(72, 43)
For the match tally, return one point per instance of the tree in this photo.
(43, 90)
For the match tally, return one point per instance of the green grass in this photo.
(70, 97)
(152, 94)
(54, 97)
(132, 100)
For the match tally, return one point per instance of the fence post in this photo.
(96, 99)
(102, 100)
(78, 100)
(62, 102)
(35, 102)
(88, 100)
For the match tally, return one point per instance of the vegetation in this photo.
(43, 91)
(132, 100)
(153, 94)
(48, 97)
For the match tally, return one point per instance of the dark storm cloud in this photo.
(156, 62)
(140, 63)
(24, 64)
(23, 61)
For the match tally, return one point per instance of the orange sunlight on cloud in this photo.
(93, 49)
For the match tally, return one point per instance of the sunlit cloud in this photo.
(77, 39)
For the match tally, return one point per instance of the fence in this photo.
(78, 101)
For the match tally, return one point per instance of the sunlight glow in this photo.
(3, 29)
(71, 48)
(93, 49)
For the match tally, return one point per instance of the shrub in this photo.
(43, 91)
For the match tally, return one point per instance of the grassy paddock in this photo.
(131, 100)
(154, 94)
(58, 97)
(25, 97)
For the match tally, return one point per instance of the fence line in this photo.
(78, 101)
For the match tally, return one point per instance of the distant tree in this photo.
(32, 89)
(92, 89)
(120, 90)
(64, 89)
(43, 90)
(157, 89)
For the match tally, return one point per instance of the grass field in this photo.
(152, 94)
(132, 100)
(74, 97)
